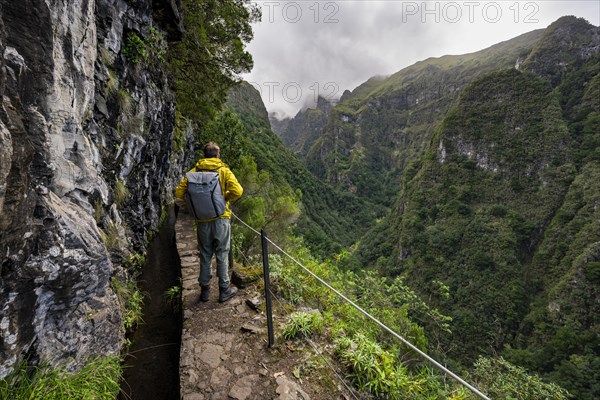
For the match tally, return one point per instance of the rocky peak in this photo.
(278, 125)
(302, 131)
(324, 104)
(566, 43)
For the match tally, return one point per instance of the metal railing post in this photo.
(230, 257)
(265, 254)
(265, 257)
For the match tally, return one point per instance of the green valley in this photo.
(488, 164)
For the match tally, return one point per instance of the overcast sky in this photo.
(305, 48)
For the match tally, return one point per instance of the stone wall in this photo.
(78, 122)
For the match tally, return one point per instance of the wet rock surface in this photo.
(76, 119)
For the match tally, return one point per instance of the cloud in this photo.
(302, 49)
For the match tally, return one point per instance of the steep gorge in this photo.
(383, 125)
(487, 162)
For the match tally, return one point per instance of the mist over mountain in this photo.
(300, 133)
(488, 164)
(457, 201)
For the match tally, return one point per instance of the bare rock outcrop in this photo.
(77, 118)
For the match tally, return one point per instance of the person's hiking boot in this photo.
(226, 294)
(204, 293)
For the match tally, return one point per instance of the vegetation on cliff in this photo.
(495, 173)
(488, 164)
(501, 208)
(385, 124)
(207, 61)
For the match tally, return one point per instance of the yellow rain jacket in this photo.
(232, 190)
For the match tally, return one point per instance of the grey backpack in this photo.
(204, 195)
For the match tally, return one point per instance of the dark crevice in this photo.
(152, 363)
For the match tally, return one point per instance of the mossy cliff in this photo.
(86, 129)
(487, 163)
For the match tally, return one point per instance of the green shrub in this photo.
(156, 45)
(135, 48)
(302, 323)
(375, 370)
(502, 380)
(153, 49)
(135, 262)
(131, 301)
(98, 380)
(592, 271)
(173, 296)
(498, 210)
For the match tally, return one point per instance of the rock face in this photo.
(85, 143)
(566, 45)
(302, 131)
(502, 207)
(376, 131)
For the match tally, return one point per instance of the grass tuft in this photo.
(111, 237)
(135, 262)
(106, 56)
(131, 301)
(112, 85)
(121, 192)
(173, 296)
(302, 323)
(98, 380)
(98, 210)
(125, 101)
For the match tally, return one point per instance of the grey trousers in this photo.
(214, 237)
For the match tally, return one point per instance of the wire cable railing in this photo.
(319, 353)
(371, 317)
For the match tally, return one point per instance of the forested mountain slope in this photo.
(386, 123)
(502, 208)
(330, 218)
(489, 162)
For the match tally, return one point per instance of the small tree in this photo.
(265, 204)
(503, 380)
(227, 130)
(211, 54)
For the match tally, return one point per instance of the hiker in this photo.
(213, 217)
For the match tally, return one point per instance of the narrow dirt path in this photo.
(224, 352)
